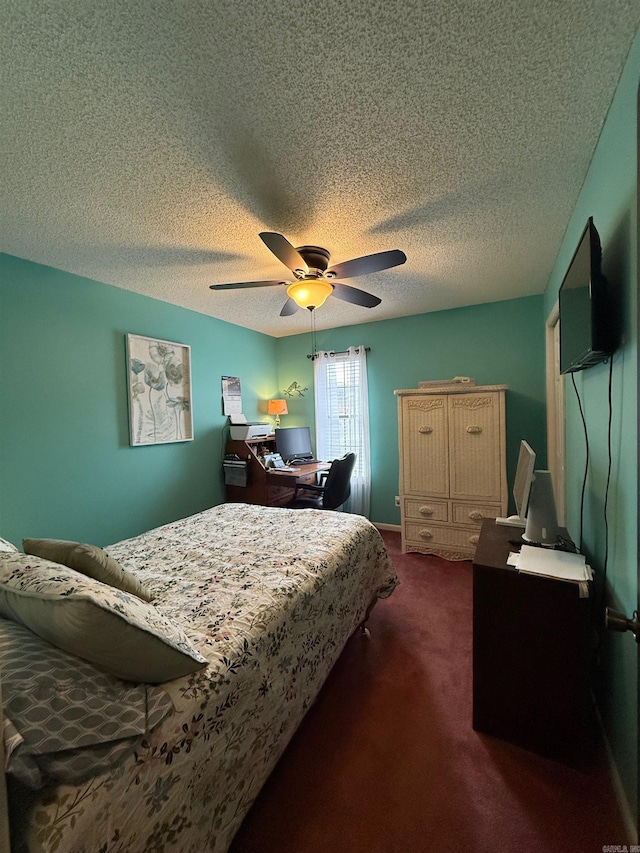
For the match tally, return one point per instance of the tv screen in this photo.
(585, 315)
(294, 443)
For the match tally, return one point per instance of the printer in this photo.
(243, 430)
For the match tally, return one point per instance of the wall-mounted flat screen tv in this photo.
(586, 317)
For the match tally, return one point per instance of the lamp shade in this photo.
(309, 293)
(277, 407)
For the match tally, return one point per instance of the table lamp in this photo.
(277, 408)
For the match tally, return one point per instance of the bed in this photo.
(261, 602)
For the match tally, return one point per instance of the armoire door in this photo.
(425, 460)
(474, 446)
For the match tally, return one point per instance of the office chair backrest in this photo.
(337, 486)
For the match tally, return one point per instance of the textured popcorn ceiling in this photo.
(145, 144)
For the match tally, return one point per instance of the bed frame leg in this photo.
(364, 631)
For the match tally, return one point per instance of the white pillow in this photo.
(7, 546)
(102, 624)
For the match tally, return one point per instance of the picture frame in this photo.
(159, 391)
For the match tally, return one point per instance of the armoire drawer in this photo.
(472, 513)
(426, 509)
(428, 535)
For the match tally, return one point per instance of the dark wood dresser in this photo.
(531, 658)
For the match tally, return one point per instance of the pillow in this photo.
(88, 559)
(109, 627)
(7, 546)
(60, 708)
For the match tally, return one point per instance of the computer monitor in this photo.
(294, 443)
(521, 486)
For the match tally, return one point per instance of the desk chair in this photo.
(332, 492)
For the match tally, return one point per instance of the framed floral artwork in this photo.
(159, 382)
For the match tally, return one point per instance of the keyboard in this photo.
(304, 461)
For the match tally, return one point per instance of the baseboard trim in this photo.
(382, 526)
(631, 829)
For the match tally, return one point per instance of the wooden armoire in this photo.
(452, 466)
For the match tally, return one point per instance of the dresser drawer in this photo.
(426, 509)
(473, 513)
(426, 536)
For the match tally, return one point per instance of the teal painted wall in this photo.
(609, 195)
(64, 453)
(66, 468)
(495, 343)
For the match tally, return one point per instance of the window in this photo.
(342, 417)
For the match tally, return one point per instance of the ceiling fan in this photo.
(314, 279)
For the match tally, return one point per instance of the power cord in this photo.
(600, 623)
(609, 466)
(586, 464)
(226, 432)
(606, 501)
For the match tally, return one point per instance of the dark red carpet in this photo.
(386, 761)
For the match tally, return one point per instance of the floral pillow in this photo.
(7, 546)
(88, 559)
(111, 628)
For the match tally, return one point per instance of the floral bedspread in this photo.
(269, 596)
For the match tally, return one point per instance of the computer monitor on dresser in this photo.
(521, 486)
(535, 502)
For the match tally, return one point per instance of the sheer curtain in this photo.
(342, 417)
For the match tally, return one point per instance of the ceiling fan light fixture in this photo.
(310, 293)
(310, 266)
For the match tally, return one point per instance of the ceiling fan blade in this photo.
(367, 264)
(240, 284)
(284, 251)
(290, 307)
(355, 295)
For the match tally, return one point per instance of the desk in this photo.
(531, 683)
(267, 486)
(281, 484)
